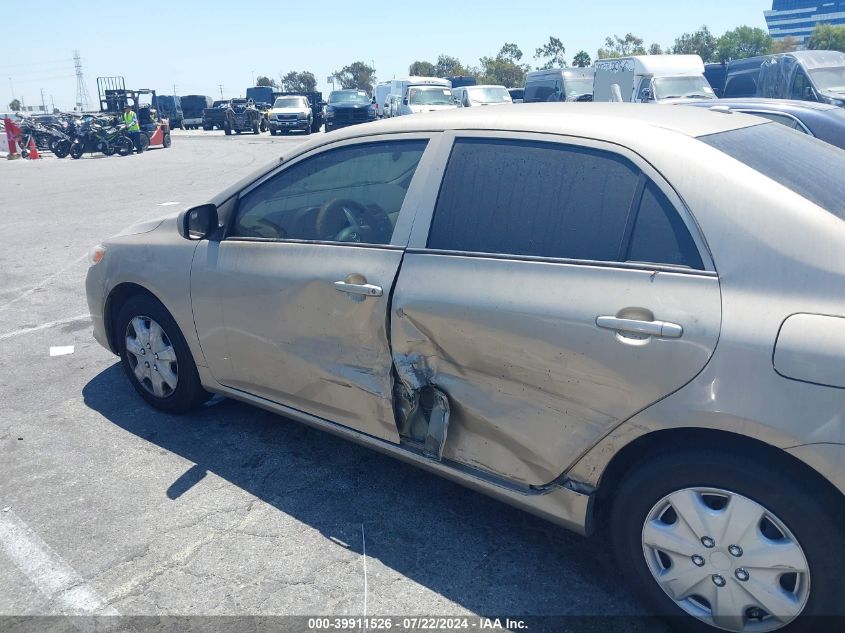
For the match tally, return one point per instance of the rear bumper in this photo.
(192, 121)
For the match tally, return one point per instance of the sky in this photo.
(198, 46)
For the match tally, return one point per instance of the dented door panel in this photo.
(531, 380)
(293, 337)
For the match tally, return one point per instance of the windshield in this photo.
(682, 88)
(489, 94)
(809, 167)
(829, 79)
(290, 102)
(576, 87)
(430, 96)
(349, 96)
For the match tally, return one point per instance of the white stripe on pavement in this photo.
(50, 574)
(45, 326)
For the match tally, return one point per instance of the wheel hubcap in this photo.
(726, 560)
(151, 356)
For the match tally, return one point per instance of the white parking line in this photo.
(43, 282)
(51, 575)
(167, 204)
(45, 326)
(61, 350)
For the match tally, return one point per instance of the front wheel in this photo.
(167, 142)
(735, 543)
(156, 357)
(145, 143)
(124, 146)
(76, 150)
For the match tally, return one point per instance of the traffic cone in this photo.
(33, 150)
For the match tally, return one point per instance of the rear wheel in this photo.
(156, 357)
(61, 148)
(738, 545)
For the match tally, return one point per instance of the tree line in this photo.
(508, 67)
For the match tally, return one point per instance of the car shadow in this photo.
(474, 551)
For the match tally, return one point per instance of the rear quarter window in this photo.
(809, 167)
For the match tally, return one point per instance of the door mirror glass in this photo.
(199, 223)
(809, 95)
(405, 100)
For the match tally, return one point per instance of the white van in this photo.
(380, 93)
(421, 94)
(652, 79)
(472, 96)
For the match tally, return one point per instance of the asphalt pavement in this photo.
(110, 508)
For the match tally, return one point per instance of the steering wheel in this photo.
(350, 221)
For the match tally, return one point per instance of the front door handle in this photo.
(657, 329)
(367, 290)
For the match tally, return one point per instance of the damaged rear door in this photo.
(292, 304)
(556, 288)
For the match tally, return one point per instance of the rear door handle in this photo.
(657, 329)
(367, 290)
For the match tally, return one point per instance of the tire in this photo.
(124, 146)
(256, 128)
(227, 129)
(187, 392)
(207, 128)
(145, 143)
(108, 149)
(796, 513)
(167, 141)
(272, 132)
(76, 150)
(61, 148)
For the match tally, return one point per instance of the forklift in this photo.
(114, 96)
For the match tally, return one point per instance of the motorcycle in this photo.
(101, 136)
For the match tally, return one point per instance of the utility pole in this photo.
(221, 90)
(174, 90)
(52, 104)
(43, 103)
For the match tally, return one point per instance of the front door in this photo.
(292, 304)
(557, 291)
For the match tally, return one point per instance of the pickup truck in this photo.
(315, 99)
(215, 116)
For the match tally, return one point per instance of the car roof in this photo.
(781, 105)
(577, 119)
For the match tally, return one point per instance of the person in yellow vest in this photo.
(133, 128)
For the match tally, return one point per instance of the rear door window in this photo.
(660, 235)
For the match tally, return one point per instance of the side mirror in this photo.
(198, 223)
(405, 101)
(809, 94)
